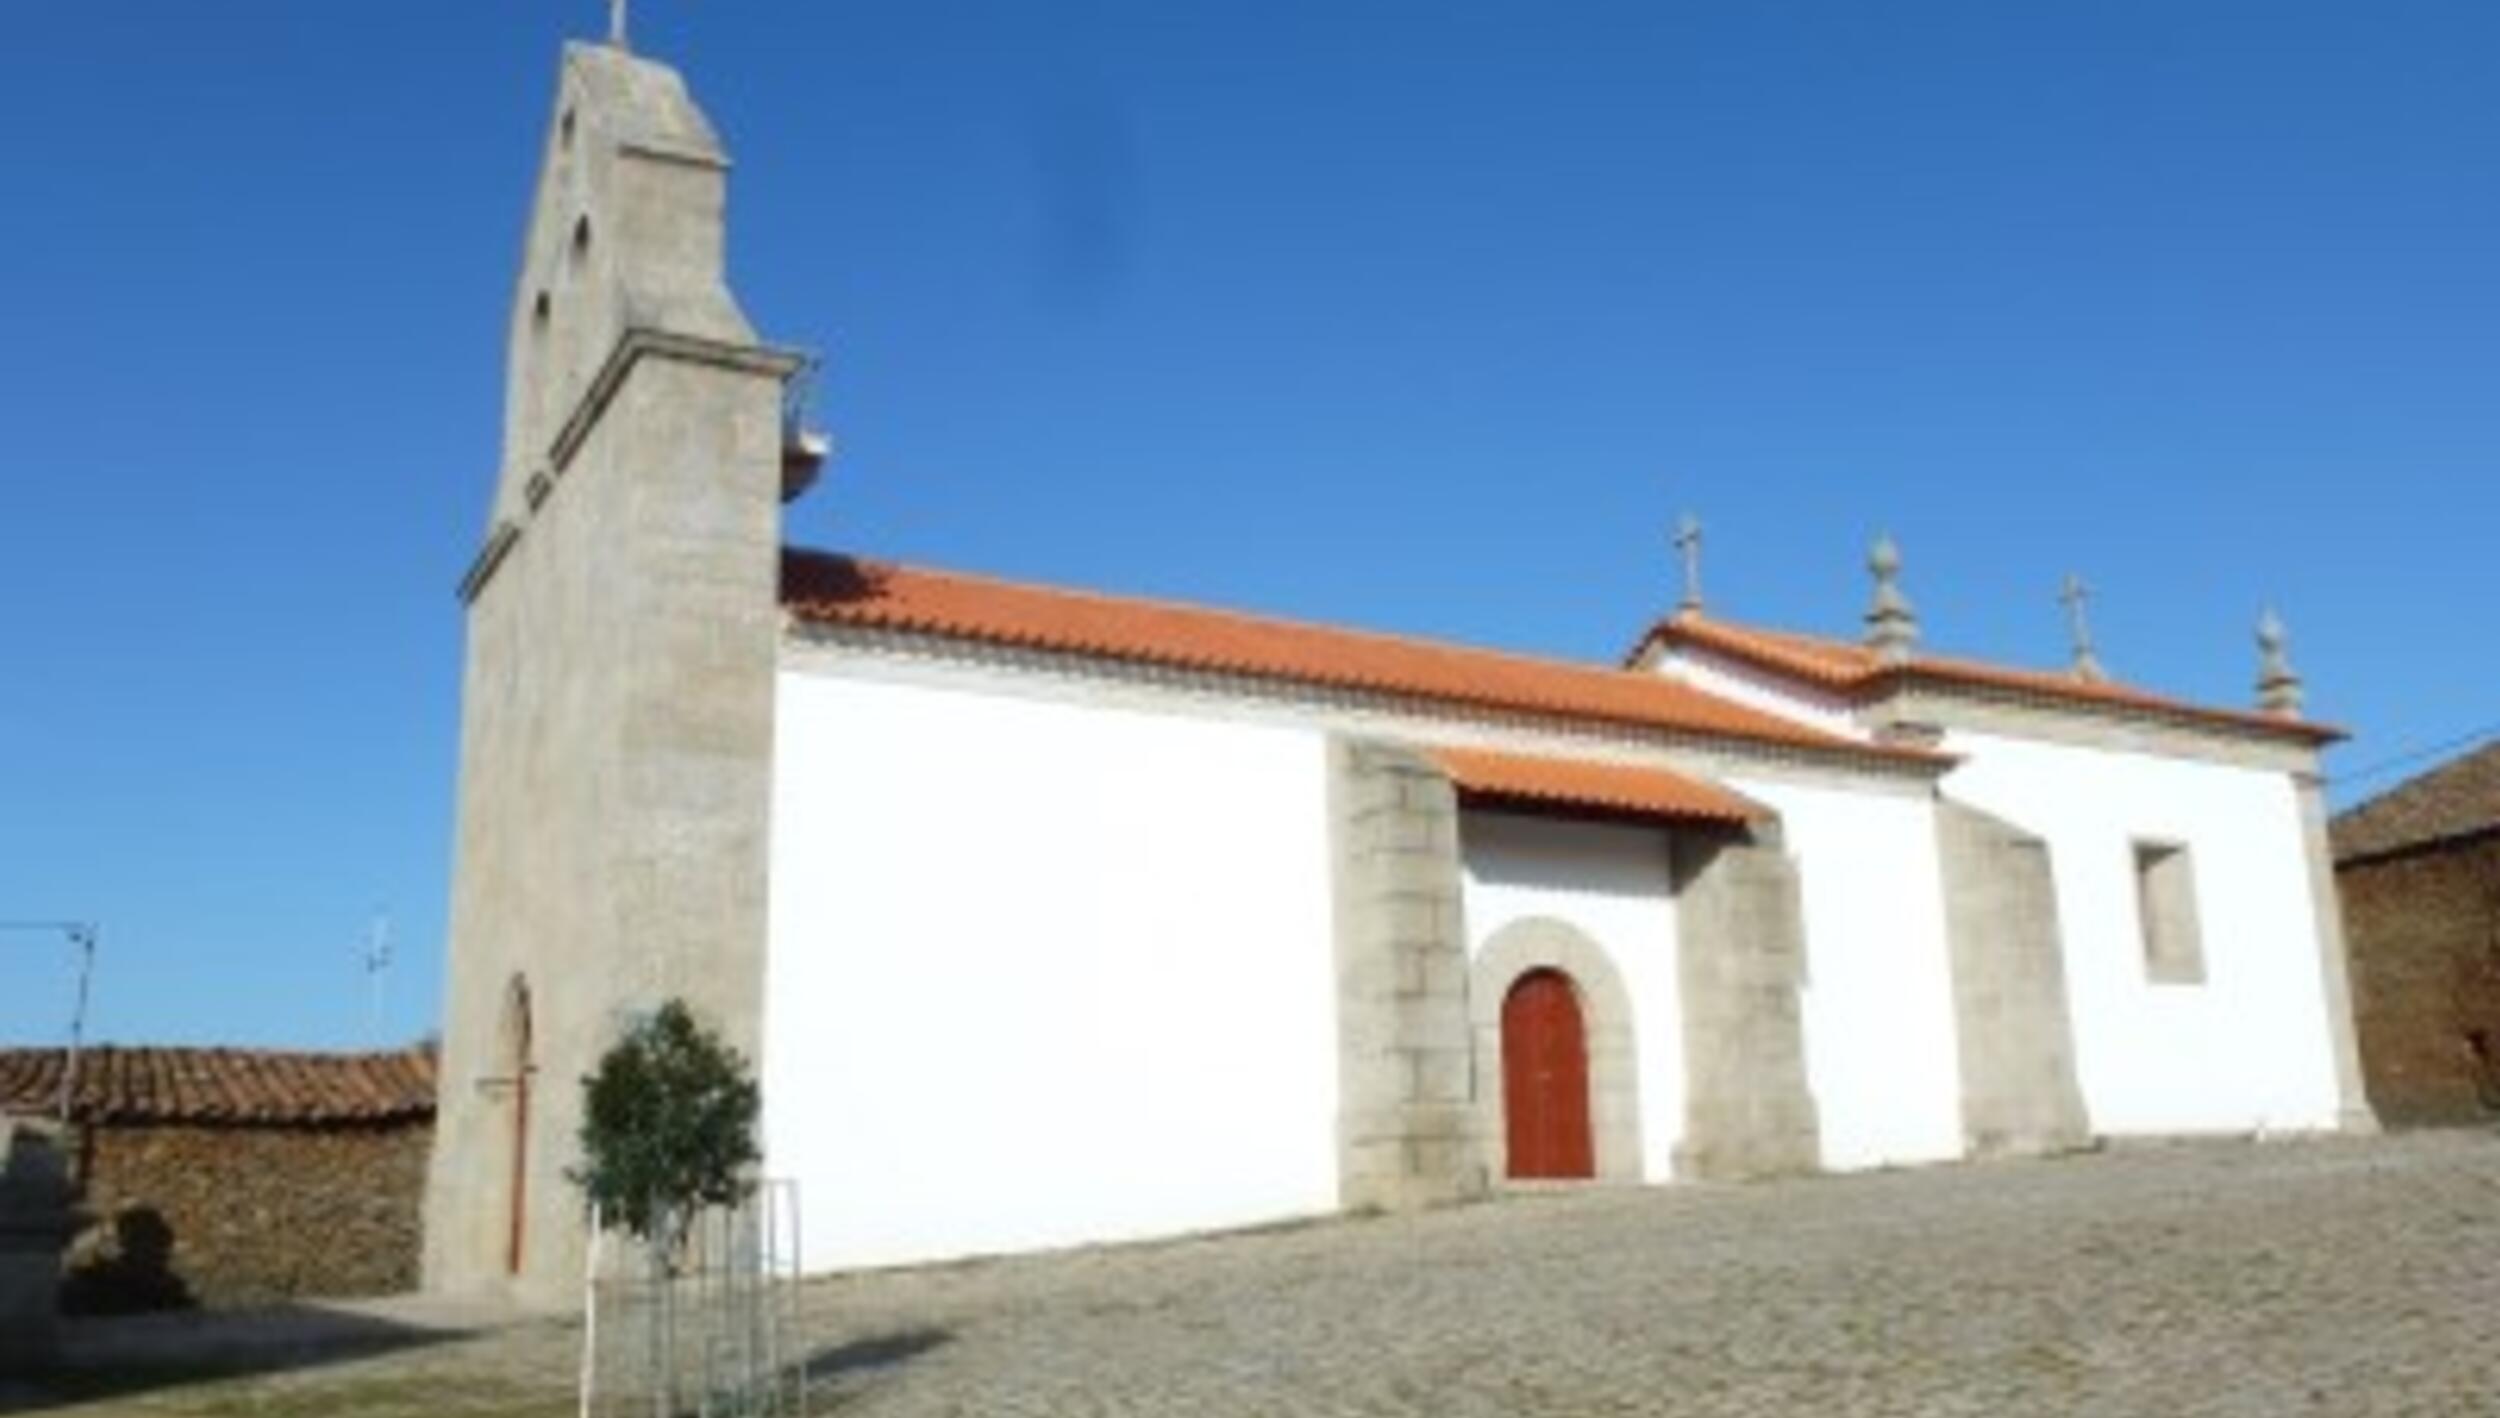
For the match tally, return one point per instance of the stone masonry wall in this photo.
(1740, 931)
(254, 1213)
(2016, 1037)
(1407, 1120)
(2424, 929)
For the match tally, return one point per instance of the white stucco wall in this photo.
(2248, 1048)
(1613, 884)
(1042, 974)
(1877, 1003)
(1756, 689)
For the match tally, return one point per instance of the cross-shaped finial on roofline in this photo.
(1687, 543)
(2087, 664)
(2279, 689)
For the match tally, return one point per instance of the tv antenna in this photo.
(373, 956)
(81, 937)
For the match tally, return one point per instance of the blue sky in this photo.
(1418, 316)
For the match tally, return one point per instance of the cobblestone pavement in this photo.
(2334, 1277)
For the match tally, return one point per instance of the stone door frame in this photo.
(1545, 943)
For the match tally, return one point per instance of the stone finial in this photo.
(616, 23)
(2278, 684)
(1687, 543)
(1891, 626)
(2086, 665)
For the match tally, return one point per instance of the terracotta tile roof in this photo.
(176, 1085)
(1578, 782)
(829, 588)
(2456, 798)
(1852, 670)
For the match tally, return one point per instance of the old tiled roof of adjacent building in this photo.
(1855, 671)
(2459, 798)
(834, 589)
(221, 1086)
(1581, 783)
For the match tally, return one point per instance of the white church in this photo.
(1050, 917)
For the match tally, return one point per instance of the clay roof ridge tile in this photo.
(223, 1085)
(1258, 619)
(1299, 650)
(1850, 666)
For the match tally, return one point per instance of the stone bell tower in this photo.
(616, 708)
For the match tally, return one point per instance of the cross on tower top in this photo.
(616, 23)
(2073, 595)
(1687, 543)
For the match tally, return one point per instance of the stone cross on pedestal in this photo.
(2072, 595)
(1687, 542)
(2278, 684)
(1891, 626)
(616, 23)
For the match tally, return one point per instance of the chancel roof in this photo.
(1856, 671)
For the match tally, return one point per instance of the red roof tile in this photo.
(181, 1085)
(1579, 782)
(1851, 669)
(833, 589)
(2459, 798)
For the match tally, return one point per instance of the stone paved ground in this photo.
(2331, 1277)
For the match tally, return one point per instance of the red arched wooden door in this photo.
(1545, 1078)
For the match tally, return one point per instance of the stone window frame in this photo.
(2168, 915)
(1546, 943)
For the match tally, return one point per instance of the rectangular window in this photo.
(2165, 904)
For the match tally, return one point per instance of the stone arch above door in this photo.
(1544, 943)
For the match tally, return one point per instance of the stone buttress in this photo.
(1740, 932)
(2011, 1024)
(1407, 1124)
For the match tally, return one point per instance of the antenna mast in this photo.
(373, 956)
(81, 937)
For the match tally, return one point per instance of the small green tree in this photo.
(668, 1127)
